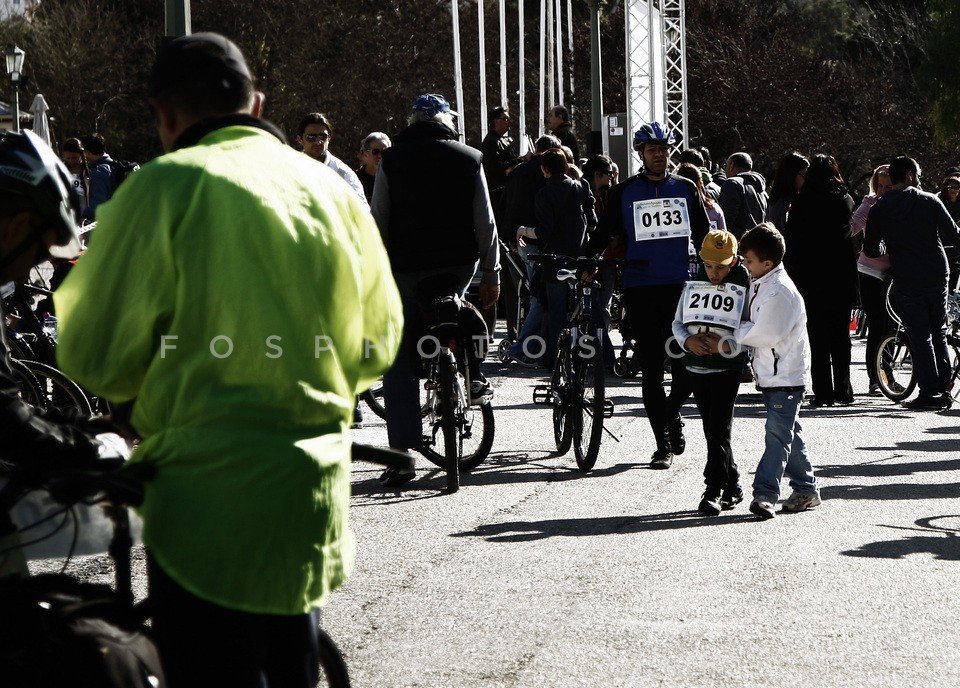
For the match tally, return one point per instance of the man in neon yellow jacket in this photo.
(241, 293)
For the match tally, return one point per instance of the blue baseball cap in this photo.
(431, 103)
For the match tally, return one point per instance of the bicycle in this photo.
(893, 362)
(459, 434)
(576, 391)
(58, 493)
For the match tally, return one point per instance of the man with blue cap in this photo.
(431, 202)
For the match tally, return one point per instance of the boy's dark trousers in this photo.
(716, 395)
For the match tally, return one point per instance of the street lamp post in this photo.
(15, 57)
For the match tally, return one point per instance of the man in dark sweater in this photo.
(912, 227)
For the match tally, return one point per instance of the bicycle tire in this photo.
(475, 429)
(560, 384)
(333, 668)
(893, 367)
(587, 404)
(446, 372)
(58, 390)
(27, 384)
(374, 399)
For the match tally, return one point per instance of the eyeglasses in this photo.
(322, 136)
(953, 188)
(375, 151)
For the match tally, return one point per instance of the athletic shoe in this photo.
(480, 392)
(929, 403)
(392, 477)
(875, 390)
(730, 498)
(661, 459)
(801, 502)
(521, 360)
(678, 442)
(710, 504)
(764, 509)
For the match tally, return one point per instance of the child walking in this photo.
(713, 303)
(776, 332)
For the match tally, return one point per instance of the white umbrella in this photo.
(41, 125)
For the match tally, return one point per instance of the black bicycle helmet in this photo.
(31, 170)
(653, 132)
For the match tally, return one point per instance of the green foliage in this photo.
(939, 77)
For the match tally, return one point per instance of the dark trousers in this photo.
(873, 293)
(203, 644)
(716, 396)
(510, 281)
(651, 311)
(828, 326)
(924, 313)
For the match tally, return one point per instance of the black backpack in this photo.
(122, 169)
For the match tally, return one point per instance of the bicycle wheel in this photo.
(57, 389)
(560, 384)
(893, 366)
(475, 430)
(587, 405)
(333, 670)
(27, 384)
(446, 372)
(374, 398)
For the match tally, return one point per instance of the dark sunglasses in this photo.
(375, 151)
(322, 136)
(953, 188)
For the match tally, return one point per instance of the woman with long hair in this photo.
(872, 273)
(76, 162)
(714, 211)
(822, 262)
(787, 183)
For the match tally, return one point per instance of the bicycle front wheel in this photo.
(374, 398)
(893, 367)
(333, 669)
(560, 385)
(58, 391)
(446, 372)
(587, 406)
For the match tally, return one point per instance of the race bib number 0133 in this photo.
(661, 218)
(713, 304)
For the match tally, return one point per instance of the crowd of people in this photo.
(244, 389)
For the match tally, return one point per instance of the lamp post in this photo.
(15, 57)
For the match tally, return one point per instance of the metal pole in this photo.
(178, 18)
(457, 71)
(483, 71)
(543, 47)
(16, 108)
(522, 91)
(570, 43)
(596, 81)
(558, 48)
(547, 28)
(503, 53)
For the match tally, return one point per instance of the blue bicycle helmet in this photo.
(31, 170)
(653, 132)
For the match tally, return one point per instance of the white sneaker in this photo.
(801, 502)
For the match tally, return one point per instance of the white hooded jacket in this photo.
(776, 332)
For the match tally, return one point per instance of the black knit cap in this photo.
(207, 58)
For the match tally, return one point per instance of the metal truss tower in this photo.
(656, 66)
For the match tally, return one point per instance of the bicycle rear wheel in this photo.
(374, 398)
(587, 406)
(475, 430)
(560, 384)
(58, 391)
(333, 670)
(893, 366)
(446, 372)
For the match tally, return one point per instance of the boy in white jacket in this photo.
(777, 335)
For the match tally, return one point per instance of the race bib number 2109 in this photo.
(661, 218)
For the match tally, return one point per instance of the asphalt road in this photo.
(535, 574)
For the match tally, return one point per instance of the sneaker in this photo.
(520, 359)
(678, 442)
(801, 502)
(480, 392)
(875, 390)
(710, 504)
(730, 498)
(764, 509)
(661, 459)
(392, 477)
(895, 387)
(357, 417)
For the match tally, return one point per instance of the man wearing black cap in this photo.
(260, 304)
(431, 202)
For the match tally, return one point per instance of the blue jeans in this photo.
(401, 384)
(924, 313)
(785, 450)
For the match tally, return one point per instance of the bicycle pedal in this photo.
(608, 408)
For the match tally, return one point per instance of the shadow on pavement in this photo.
(904, 491)
(936, 539)
(877, 469)
(524, 531)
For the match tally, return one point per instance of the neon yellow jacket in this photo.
(241, 292)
